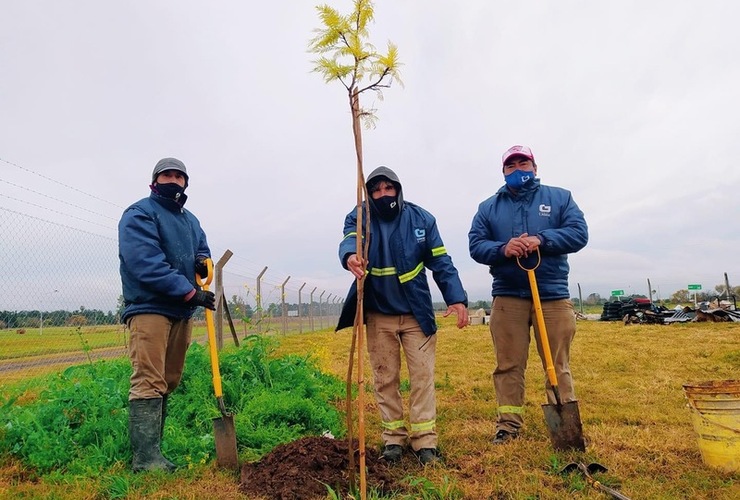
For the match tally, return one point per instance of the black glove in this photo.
(201, 268)
(203, 298)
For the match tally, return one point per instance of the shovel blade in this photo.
(225, 434)
(564, 424)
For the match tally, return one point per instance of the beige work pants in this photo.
(511, 318)
(386, 334)
(157, 351)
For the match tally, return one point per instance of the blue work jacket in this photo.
(545, 211)
(415, 246)
(158, 242)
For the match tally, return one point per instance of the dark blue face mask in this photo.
(169, 190)
(518, 178)
(387, 207)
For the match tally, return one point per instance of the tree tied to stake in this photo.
(346, 55)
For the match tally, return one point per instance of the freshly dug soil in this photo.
(301, 470)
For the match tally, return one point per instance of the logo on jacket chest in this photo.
(545, 210)
(421, 235)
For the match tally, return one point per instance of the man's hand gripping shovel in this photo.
(563, 419)
(223, 427)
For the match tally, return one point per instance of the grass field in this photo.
(629, 384)
(58, 339)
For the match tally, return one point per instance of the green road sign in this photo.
(694, 287)
(617, 293)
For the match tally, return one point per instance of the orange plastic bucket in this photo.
(715, 415)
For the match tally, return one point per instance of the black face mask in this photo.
(387, 207)
(170, 190)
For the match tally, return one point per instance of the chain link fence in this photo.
(60, 300)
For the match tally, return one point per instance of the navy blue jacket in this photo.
(545, 211)
(158, 242)
(415, 246)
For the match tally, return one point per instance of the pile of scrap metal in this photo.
(715, 311)
(641, 311)
(635, 310)
(718, 310)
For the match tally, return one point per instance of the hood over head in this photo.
(384, 173)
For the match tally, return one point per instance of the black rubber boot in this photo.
(144, 428)
(164, 417)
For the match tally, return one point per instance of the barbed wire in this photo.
(57, 224)
(60, 183)
(57, 199)
(55, 211)
(240, 268)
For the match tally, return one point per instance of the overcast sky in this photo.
(631, 105)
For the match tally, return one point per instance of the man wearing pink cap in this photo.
(522, 218)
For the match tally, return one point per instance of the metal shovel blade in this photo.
(225, 434)
(564, 424)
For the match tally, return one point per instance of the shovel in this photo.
(223, 427)
(589, 469)
(563, 419)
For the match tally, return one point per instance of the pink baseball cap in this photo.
(517, 151)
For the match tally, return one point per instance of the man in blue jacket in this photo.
(404, 241)
(522, 219)
(160, 247)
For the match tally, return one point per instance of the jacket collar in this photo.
(169, 203)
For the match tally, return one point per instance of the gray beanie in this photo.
(169, 164)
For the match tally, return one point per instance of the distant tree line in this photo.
(678, 297)
(79, 317)
(240, 309)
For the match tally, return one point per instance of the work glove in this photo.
(201, 268)
(203, 298)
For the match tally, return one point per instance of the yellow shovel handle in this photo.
(211, 331)
(204, 284)
(550, 367)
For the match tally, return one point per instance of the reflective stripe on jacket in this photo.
(415, 246)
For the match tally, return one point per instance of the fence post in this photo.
(300, 314)
(310, 310)
(282, 300)
(258, 299)
(321, 314)
(328, 307)
(218, 271)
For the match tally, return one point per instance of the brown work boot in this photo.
(503, 436)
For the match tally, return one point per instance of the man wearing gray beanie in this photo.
(160, 247)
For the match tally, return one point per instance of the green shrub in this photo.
(79, 422)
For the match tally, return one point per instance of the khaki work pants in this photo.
(157, 351)
(386, 334)
(511, 318)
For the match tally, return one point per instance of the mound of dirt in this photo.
(301, 470)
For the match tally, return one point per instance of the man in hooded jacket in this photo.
(161, 247)
(404, 241)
